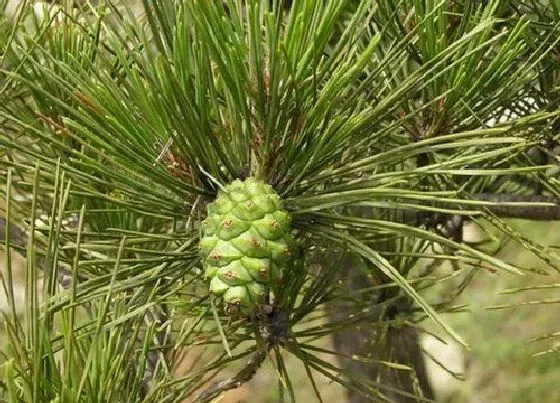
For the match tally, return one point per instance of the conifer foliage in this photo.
(190, 178)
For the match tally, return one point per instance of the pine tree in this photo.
(235, 182)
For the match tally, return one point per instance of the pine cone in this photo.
(246, 244)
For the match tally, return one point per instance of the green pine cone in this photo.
(246, 244)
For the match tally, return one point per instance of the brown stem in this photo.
(537, 213)
(245, 375)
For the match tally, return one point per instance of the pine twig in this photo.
(274, 327)
(245, 375)
(537, 213)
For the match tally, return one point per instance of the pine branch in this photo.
(324, 108)
(504, 206)
(527, 212)
(245, 375)
(274, 328)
